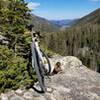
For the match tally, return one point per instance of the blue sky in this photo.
(62, 9)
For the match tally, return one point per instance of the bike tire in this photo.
(39, 69)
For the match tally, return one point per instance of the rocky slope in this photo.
(74, 82)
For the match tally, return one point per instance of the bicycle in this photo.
(38, 60)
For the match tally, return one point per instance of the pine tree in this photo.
(14, 18)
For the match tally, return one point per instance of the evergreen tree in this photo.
(14, 18)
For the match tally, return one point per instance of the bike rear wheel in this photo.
(36, 63)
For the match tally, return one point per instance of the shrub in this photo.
(13, 70)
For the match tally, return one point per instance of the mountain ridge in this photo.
(42, 24)
(92, 18)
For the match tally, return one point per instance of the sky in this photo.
(62, 9)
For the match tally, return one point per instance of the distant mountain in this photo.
(92, 18)
(81, 40)
(43, 25)
(63, 23)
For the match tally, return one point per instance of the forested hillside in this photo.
(81, 40)
(92, 18)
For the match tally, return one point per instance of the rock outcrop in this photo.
(74, 82)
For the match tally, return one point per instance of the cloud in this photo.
(95, 0)
(33, 5)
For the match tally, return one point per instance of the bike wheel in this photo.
(36, 63)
